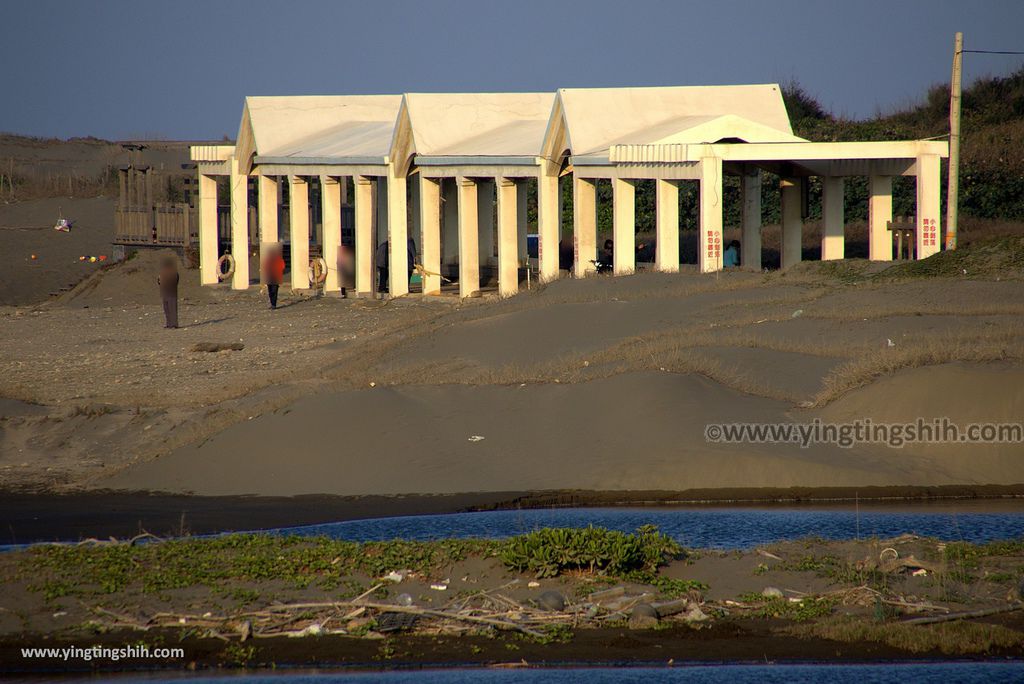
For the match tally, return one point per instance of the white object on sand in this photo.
(476, 438)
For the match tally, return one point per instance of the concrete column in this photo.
(750, 192)
(879, 216)
(239, 226)
(584, 219)
(430, 232)
(485, 219)
(624, 225)
(362, 191)
(469, 243)
(508, 242)
(330, 205)
(929, 187)
(208, 238)
(267, 202)
(790, 246)
(548, 220)
(298, 219)
(266, 218)
(522, 186)
(398, 235)
(709, 252)
(832, 239)
(666, 251)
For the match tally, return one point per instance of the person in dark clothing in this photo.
(273, 274)
(381, 261)
(168, 282)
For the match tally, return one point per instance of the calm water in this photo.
(727, 528)
(918, 673)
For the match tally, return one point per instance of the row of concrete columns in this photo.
(472, 204)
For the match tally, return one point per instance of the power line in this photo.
(993, 52)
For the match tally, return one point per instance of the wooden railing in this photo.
(164, 224)
(133, 226)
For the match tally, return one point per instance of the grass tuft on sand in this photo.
(950, 638)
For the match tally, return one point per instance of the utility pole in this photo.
(952, 196)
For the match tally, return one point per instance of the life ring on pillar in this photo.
(317, 271)
(223, 272)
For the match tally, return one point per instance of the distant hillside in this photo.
(991, 148)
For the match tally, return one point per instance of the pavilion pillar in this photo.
(208, 237)
(469, 238)
(398, 236)
(330, 205)
(791, 243)
(750, 191)
(298, 220)
(508, 242)
(709, 252)
(879, 216)
(584, 218)
(362, 192)
(624, 225)
(522, 228)
(430, 233)
(666, 250)
(239, 225)
(266, 200)
(929, 188)
(832, 239)
(548, 223)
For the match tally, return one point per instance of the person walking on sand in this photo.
(168, 282)
(273, 274)
(346, 270)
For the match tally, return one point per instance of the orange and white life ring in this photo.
(228, 260)
(317, 271)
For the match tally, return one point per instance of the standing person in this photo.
(273, 273)
(381, 259)
(168, 282)
(731, 257)
(346, 270)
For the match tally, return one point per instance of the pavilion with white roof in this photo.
(451, 171)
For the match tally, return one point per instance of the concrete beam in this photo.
(929, 188)
(833, 240)
(584, 219)
(750, 219)
(469, 243)
(239, 226)
(208, 239)
(430, 233)
(879, 216)
(362, 192)
(298, 218)
(330, 204)
(624, 225)
(709, 252)
(548, 227)
(791, 243)
(398, 235)
(666, 251)
(508, 243)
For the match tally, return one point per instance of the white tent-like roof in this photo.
(317, 129)
(594, 119)
(476, 124)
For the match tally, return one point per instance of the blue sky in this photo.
(180, 69)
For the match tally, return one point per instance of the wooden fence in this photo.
(164, 224)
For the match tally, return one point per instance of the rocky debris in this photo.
(214, 347)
